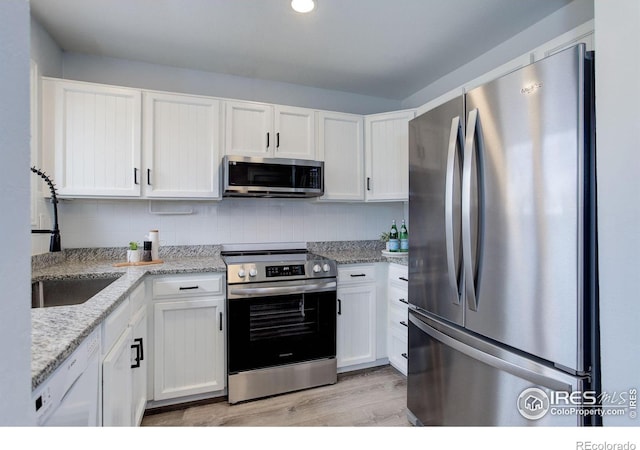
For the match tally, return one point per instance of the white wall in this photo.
(105, 223)
(154, 76)
(15, 268)
(618, 164)
(565, 19)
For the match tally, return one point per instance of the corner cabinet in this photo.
(387, 156)
(91, 135)
(269, 131)
(189, 335)
(340, 146)
(181, 146)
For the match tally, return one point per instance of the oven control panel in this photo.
(284, 271)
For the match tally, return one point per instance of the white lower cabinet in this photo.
(357, 311)
(189, 329)
(124, 368)
(398, 316)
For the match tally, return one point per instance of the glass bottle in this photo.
(394, 242)
(404, 237)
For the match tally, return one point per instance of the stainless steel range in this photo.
(281, 321)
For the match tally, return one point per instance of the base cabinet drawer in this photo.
(188, 285)
(398, 349)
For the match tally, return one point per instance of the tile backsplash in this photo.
(114, 223)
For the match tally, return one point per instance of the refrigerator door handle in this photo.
(453, 266)
(527, 370)
(471, 262)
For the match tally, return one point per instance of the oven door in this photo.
(276, 329)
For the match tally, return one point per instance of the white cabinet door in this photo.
(249, 129)
(356, 325)
(95, 133)
(295, 133)
(341, 148)
(116, 383)
(397, 327)
(139, 365)
(188, 347)
(387, 156)
(181, 146)
(269, 131)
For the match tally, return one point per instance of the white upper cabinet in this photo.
(91, 135)
(181, 146)
(341, 148)
(584, 34)
(387, 156)
(269, 131)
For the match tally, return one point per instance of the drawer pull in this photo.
(403, 323)
(138, 347)
(354, 275)
(402, 300)
(220, 321)
(188, 288)
(339, 307)
(403, 279)
(404, 355)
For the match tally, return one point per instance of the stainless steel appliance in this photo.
(502, 278)
(281, 321)
(272, 177)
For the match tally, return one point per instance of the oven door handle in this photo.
(283, 290)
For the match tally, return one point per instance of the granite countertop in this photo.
(58, 331)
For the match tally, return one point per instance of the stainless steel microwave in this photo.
(272, 177)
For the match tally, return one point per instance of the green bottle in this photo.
(404, 237)
(394, 242)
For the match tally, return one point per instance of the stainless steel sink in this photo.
(66, 292)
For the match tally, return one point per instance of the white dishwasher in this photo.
(70, 396)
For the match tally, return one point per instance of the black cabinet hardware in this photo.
(135, 175)
(149, 177)
(403, 301)
(188, 288)
(355, 275)
(278, 140)
(404, 355)
(220, 321)
(339, 307)
(267, 139)
(403, 323)
(368, 183)
(403, 279)
(139, 348)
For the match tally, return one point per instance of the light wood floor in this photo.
(373, 397)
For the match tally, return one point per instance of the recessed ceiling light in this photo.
(303, 6)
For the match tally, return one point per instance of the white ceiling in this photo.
(382, 48)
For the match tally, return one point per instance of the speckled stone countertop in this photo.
(57, 331)
(354, 252)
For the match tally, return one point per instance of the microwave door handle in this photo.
(453, 266)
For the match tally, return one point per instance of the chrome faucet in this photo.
(54, 243)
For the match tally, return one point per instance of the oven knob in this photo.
(326, 268)
(241, 273)
(316, 268)
(253, 272)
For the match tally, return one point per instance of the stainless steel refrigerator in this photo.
(502, 274)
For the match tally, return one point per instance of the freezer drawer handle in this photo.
(518, 370)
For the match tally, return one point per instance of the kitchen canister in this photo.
(155, 244)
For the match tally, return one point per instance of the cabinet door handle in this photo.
(404, 355)
(403, 279)
(220, 321)
(355, 275)
(278, 139)
(138, 346)
(339, 307)
(403, 323)
(149, 177)
(402, 300)
(135, 175)
(267, 140)
(368, 183)
(188, 288)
